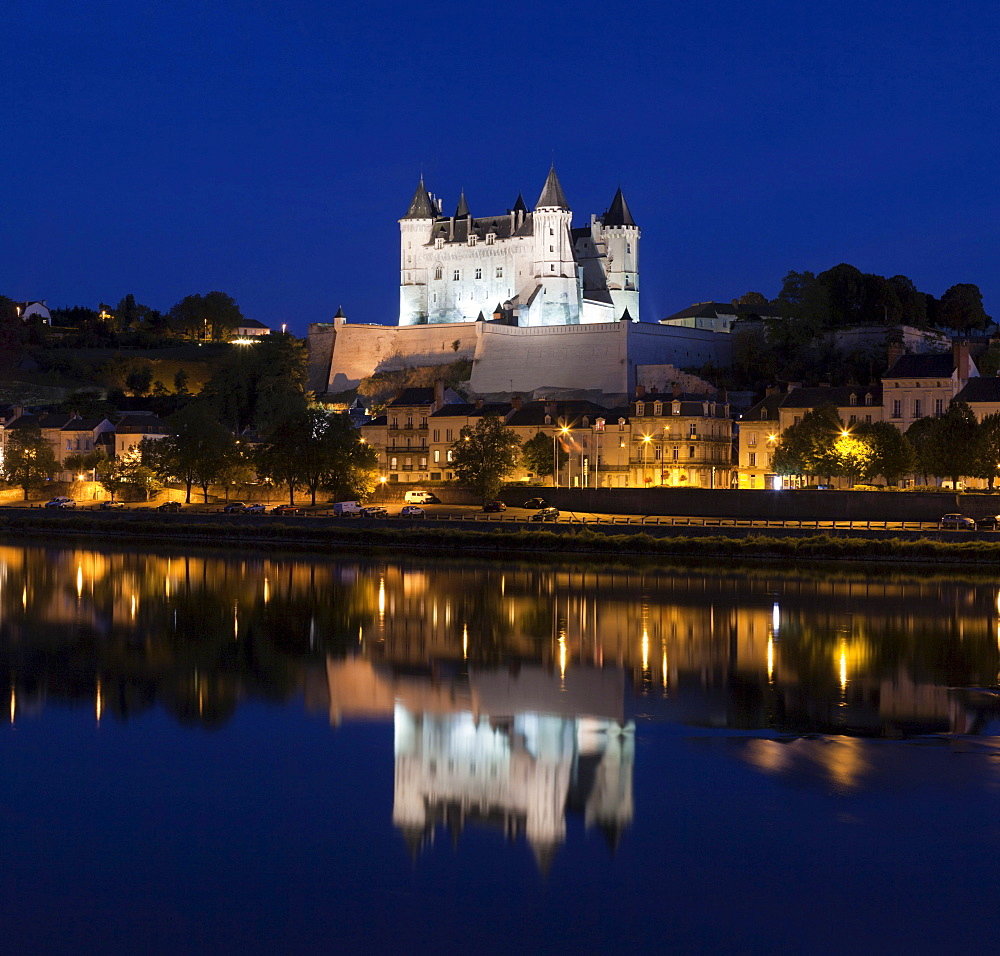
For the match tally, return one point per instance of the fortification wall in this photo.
(321, 336)
(510, 358)
(651, 344)
(361, 350)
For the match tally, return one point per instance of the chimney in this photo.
(676, 390)
(960, 351)
(438, 393)
(895, 353)
(515, 401)
(479, 403)
(399, 393)
(771, 390)
(640, 391)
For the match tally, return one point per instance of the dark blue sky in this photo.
(267, 149)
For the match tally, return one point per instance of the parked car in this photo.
(411, 511)
(989, 523)
(956, 523)
(494, 506)
(61, 502)
(111, 505)
(255, 509)
(373, 511)
(169, 506)
(421, 498)
(546, 514)
(286, 510)
(234, 508)
(536, 503)
(343, 509)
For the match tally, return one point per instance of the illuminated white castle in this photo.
(529, 268)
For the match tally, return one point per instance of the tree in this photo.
(83, 462)
(485, 455)
(138, 378)
(953, 443)
(808, 447)
(222, 315)
(988, 450)
(28, 459)
(919, 437)
(536, 453)
(961, 308)
(194, 452)
(892, 455)
(853, 457)
(188, 316)
(261, 384)
(752, 300)
(181, 379)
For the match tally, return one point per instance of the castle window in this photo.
(456, 275)
(628, 246)
(552, 268)
(439, 243)
(552, 248)
(552, 232)
(473, 240)
(479, 273)
(490, 239)
(437, 272)
(499, 272)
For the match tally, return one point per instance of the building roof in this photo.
(552, 194)
(981, 389)
(839, 396)
(571, 412)
(768, 404)
(83, 424)
(463, 207)
(934, 365)
(414, 396)
(421, 206)
(691, 405)
(618, 213)
(252, 324)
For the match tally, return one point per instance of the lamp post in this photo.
(646, 439)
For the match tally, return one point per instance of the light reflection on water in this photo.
(533, 701)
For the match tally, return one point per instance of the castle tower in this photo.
(558, 295)
(621, 237)
(415, 232)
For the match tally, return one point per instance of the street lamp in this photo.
(646, 439)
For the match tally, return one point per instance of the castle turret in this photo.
(621, 238)
(415, 232)
(558, 297)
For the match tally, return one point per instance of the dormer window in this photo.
(763, 413)
(640, 409)
(439, 243)
(658, 408)
(854, 399)
(490, 238)
(473, 240)
(676, 408)
(868, 398)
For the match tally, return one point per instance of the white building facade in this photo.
(527, 268)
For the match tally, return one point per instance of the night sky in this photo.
(267, 149)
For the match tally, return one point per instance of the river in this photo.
(216, 752)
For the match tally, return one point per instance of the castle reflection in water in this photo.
(514, 689)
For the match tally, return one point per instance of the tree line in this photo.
(952, 446)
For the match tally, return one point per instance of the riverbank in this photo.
(338, 535)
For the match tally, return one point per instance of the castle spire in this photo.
(463, 207)
(618, 213)
(552, 194)
(420, 206)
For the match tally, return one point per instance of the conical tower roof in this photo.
(520, 205)
(420, 206)
(552, 194)
(618, 213)
(463, 207)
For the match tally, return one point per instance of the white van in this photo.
(346, 508)
(420, 498)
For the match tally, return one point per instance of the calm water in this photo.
(206, 752)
